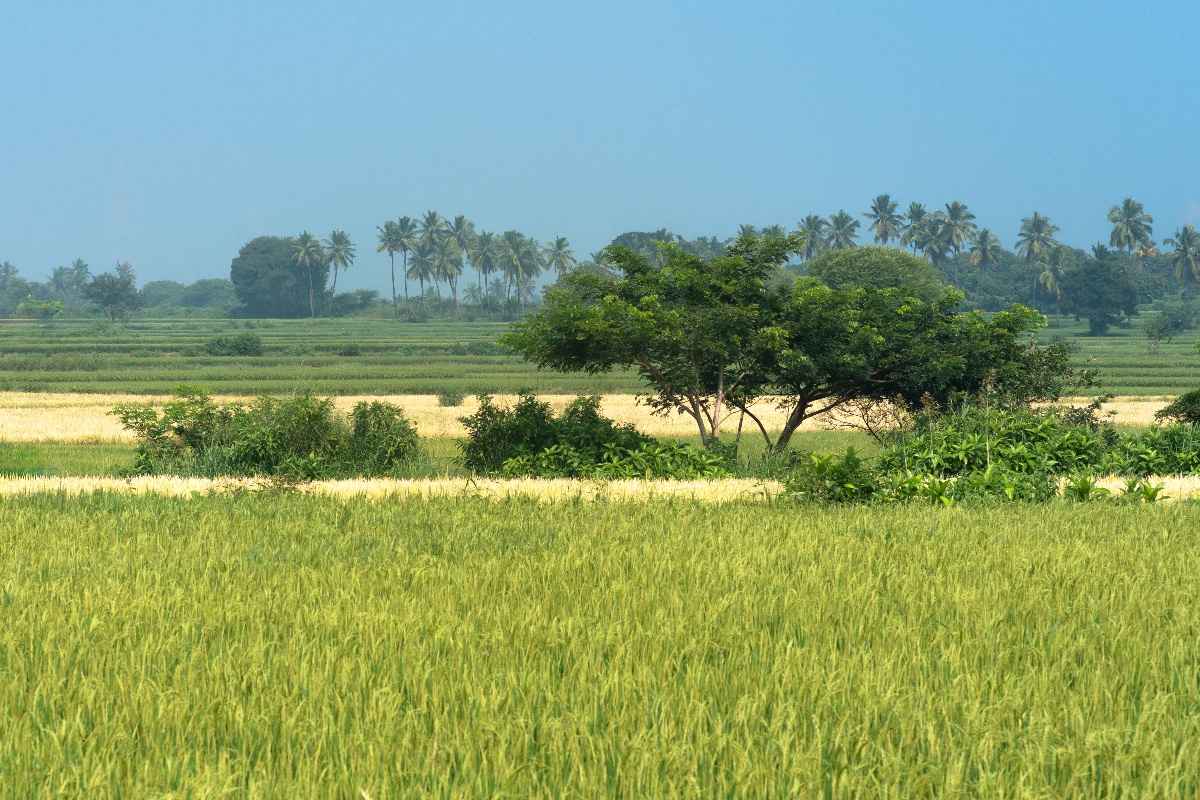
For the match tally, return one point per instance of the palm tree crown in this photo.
(885, 222)
(985, 249)
(1186, 255)
(559, 256)
(813, 227)
(843, 231)
(1132, 226)
(339, 252)
(1036, 237)
(914, 223)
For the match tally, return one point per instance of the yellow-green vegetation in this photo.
(284, 645)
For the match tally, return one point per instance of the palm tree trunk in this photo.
(395, 311)
(406, 277)
(312, 300)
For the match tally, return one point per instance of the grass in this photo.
(294, 646)
(155, 356)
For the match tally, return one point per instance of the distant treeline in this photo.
(440, 266)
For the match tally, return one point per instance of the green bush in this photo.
(451, 398)
(649, 461)
(495, 434)
(1185, 409)
(238, 344)
(298, 438)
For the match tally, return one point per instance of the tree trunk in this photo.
(794, 420)
(312, 300)
(395, 311)
(405, 268)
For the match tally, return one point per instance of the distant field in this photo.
(349, 357)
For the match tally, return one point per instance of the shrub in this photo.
(299, 438)
(451, 398)
(650, 460)
(238, 344)
(349, 351)
(496, 435)
(1185, 409)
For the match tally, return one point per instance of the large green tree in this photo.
(1100, 290)
(1132, 227)
(711, 337)
(268, 281)
(115, 293)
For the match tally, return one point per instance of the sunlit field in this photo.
(295, 646)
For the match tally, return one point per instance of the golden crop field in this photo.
(288, 645)
(38, 417)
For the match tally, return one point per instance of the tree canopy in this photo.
(712, 337)
(269, 282)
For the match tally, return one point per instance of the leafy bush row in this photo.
(297, 438)
(528, 440)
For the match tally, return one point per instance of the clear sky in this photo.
(168, 134)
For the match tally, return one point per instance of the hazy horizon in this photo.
(169, 139)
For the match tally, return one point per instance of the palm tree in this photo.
(959, 225)
(914, 223)
(885, 222)
(462, 231)
(520, 260)
(1186, 255)
(1048, 281)
(1036, 237)
(559, 256)
(986, 249)
(774, 232)
(339, 251)
(389, 242)
(843, 230)
(448, 263)
(423, 263)
(747, 230)
(1132, 226)
(406, 232)
(483, 257)
(814, 229)
(307, 251)
(933, 238)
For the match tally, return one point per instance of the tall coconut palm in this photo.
(462, 231)
(957, 229)
(389, 242)
(432, 227)
(406, 233)
(339, 252)
(1132, 226)
(424, 264)
(985, 249)
(814, 229)
(520, 261)
(448, 261)
(559, 256)
(774, 232)
(914, 223)
(483, 257)
(843, 231)
(1186, 255)
(747, 230)
(933, 238)
(307, 251)
(885, 222)
(1036, 237)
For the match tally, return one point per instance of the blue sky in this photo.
(169, 134)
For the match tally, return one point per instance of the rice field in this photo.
(384, 357)
(289, 645)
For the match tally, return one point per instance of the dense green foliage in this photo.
(878, 268)
(496, 434)
(1100, 290)
(296, 438)
(285, 646)
(237, 344)
(270, 282)
(712, 336)
(1184, 409)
